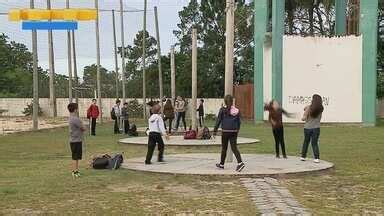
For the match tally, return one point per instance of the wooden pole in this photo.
(98, 77)
(52, 94)
(122, 49)
(35, 112)
(194, 77)
(75, 67)
(161, 93)
(143, 61)
(115, 52)
(173, 74)
(69, 48)
(229, 40)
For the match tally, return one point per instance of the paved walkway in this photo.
(271, 198)
(180, 141)
(204, 164)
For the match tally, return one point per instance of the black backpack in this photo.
(100, 162)
(115, 162)
(133, 131)
(206, 134)
(113, 114)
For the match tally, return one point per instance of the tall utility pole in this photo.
(122, 49)
(161, 93)
(98, 82)
(115, 51)
(143, 60)
(52, 96)
(35, 111)
(194, 77)
(69, 48)
(173, 74)
(75, 67)
(229, 40)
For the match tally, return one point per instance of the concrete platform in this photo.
(141, 131)
(180, 141)
(204, 164)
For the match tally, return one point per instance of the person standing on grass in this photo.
(116, 110)
(124, 117)
(200, 110)
(76, 131)
(156, 130)
(169, 114)
(92, 115)
(180, 108)
(276, 119)
(312, 117)
(229, 119)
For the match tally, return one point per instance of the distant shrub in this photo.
(210, 117)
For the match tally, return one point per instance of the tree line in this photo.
(305, 18)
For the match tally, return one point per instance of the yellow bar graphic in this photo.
(54, 14)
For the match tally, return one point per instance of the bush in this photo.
(28, 111)
(210, 117)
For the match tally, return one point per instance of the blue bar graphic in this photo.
(48, 25)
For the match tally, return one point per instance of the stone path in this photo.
(271, 198)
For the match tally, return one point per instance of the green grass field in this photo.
(35, 177)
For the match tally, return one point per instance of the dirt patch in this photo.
(24, 211)
(184, 191)
(9, 125)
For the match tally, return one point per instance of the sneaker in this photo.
(285, 157)
(278, 156)
(240, 167)
(303, 159)
(75, 174)
(147, 163)
(220, 166)
(161, 161)
(316, 161)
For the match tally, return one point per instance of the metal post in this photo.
(143, 61)
(368, 28)
(98, 61)
(52, 95)
(75, 67)
(260, 26)
(277, 49)
(161, 94)
(194, 77)
(69, 48)
(35, 112)
(173, 74)
(341, 17)
(229, 40)
(122, 50)
(115, 52)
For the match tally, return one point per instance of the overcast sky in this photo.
(85, 35)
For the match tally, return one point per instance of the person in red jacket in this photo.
(92, 115)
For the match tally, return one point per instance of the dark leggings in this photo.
(230, 137)
(169, 124)
(153, 139)
(311, 135)
(278, 134)
(181, 115)
(93, 126)
(201, 121)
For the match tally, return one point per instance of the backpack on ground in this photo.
(100, 162)
(113, 114)
(199, 134)
(115, 162)
(190, 134)
(133, 130)
(206, 134)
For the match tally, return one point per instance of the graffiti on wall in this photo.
(305, 100)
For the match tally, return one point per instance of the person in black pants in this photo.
(229, 119)
(201, 112)
(117, 112)
(276, 119)
(180, 108)
(124, 116)
(156, 130)
(169, 115)
(92, 115)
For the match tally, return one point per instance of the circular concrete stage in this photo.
(141, 131)
(204, 164)
(180, 141)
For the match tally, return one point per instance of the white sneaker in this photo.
(303, 159)
(316, 161)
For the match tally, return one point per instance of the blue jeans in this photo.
(311, 135)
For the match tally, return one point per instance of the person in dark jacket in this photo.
(229, 119)
(276, 119)
(169, 114)
(200, 110)
(124, 117)
(92, 115)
